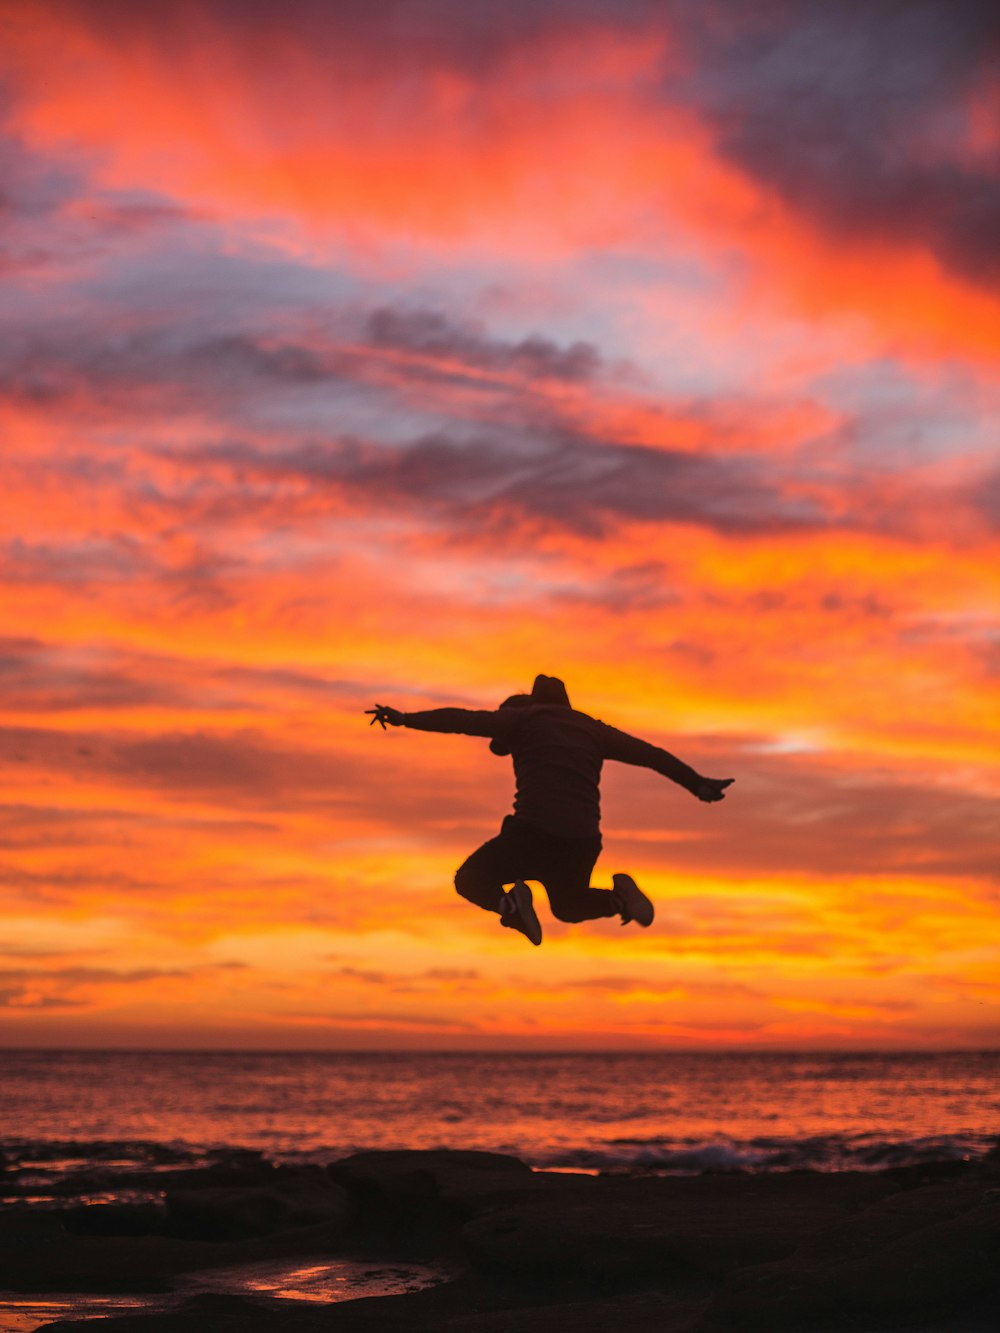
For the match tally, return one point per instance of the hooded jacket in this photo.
(558, 754)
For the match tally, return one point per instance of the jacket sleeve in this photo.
(630, 750)
(454, 721)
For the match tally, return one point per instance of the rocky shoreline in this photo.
(912, 1248)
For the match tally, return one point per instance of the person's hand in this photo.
(712, 789)
(383, 714)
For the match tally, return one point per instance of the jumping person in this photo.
(554, 835)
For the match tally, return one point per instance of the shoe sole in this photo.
(526, 911)
(637, 905)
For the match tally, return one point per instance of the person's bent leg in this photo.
(567, 881)
(500, 861)
(579, 902)
(505, 859)
(480, 880)
(572, 902)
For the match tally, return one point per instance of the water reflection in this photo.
(319, 1281)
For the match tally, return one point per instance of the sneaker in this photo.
(518, 912)
(632, 902)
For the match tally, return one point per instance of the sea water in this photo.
(662, 1112)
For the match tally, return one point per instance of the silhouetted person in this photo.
(554, 834)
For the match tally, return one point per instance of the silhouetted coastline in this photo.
(505, 1247)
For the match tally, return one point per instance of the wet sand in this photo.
(479, 1242)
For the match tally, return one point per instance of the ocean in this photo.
(657, 1112)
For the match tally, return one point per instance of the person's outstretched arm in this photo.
(453, 721)
(630, 750)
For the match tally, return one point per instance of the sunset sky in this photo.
(399, 351)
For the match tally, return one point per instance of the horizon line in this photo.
(430, 1050)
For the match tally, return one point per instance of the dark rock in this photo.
(663, 1229)
(647, 1312)
(408, 1173)
(37, 1254)
(925, 1249)
(236, 1169)
(990, 1164)
(25, 1229)
(410, 1195)
(234, 1214)
(225, 1214)
(115, 1219)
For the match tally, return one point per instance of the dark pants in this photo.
(561, 865)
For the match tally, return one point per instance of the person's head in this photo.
(550, 690)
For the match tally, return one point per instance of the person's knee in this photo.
(476, 887)
(564, 909)
(466, 882)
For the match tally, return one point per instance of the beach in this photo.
(468, 1240)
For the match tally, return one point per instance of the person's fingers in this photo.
(378, 715)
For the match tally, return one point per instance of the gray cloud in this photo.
(434, 334)
(647, 586)
(47, 197)
(518, 461)
(16, 997)
(661, 985)
(405, 1018)
(36, 677)
(855, 114)
(429, 981)
(242, 355)
(45, 677)
(384, 34)
(58, 359)
(85, 976)
(983, 495)
(556, 479)
(136, 213)
(77, 562)
(19, 986)
(47, 826)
